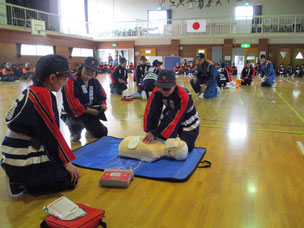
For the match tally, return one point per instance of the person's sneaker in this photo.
(274, 85)
(14, 189)
(218, 90)
(75, 137)
(144, 95)
(200, 95)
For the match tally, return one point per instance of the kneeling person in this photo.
(247, 74)
(36, 156)
(119, 78)
(267, 73)
(179, 118)
(222, 77)
(150, 79)
(84, 102)
(205, 78)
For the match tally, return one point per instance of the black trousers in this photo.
(148, 86)
(189, 137)
(246, 82)
(91, 123)
(221, 83)
(118, 88)
(38, 179)
(139, 88)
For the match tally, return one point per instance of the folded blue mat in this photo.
(103, 154)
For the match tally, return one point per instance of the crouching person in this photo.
(205, 80)
(119, 78)
(36, 157)
(84, 102)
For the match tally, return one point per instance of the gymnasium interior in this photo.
(253, 135)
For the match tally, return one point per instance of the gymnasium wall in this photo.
(137, 9)
(9, 39)
(167, 47)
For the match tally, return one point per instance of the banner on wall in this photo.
(196, 26)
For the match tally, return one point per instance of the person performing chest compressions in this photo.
(84, 102)
(179, 118)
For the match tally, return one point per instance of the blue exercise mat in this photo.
(103, 154)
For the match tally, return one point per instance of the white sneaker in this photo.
(274, 85)
(218, 91)
(144, 95)
(200, 95)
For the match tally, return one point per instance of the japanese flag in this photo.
(196, 25)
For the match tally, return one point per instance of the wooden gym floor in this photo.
(256, 179)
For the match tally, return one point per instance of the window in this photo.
(157, 19)
(36, 50)
(72, 17)
(201, 51)
(82, 52)
(243, 12)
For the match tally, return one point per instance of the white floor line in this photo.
(300, 82)
(290, 81)
(300, 145)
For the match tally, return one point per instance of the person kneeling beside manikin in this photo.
(134, 147)
(178, 119)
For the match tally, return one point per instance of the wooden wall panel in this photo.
(9, 39)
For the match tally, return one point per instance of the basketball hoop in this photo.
(38, 27)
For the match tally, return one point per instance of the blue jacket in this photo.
(268, 70)
(207, 73)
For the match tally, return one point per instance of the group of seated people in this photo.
(10, 72)
(191, 68)
(185, 68)
(290, 71)
(103, 67)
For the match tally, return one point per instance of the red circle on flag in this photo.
(196, 25)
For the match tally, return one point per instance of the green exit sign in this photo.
(245, 45)
(114, 45)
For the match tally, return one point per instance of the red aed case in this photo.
(116, 178)
(92, 219)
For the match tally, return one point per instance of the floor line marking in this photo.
(300, 145)
(281, 125)
(290, 81)
(227, 128)
(254, 129)
(290, 106)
